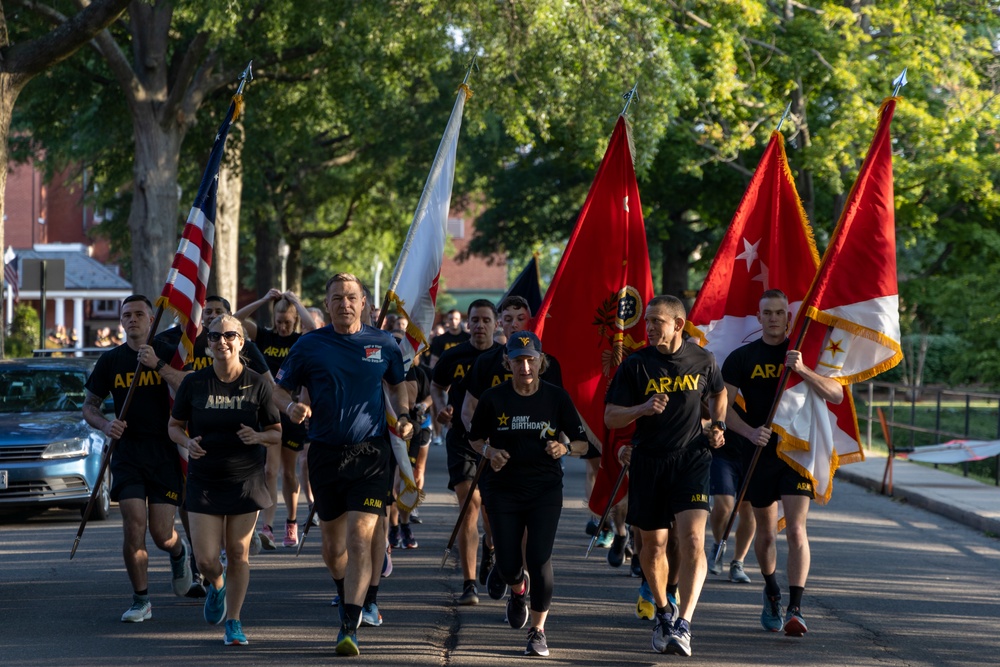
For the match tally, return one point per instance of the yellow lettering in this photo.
(276, 352)
(172, 495)
(758, 372)
(459, 371)
(373, 502)
(652, 387)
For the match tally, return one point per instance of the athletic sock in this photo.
(771, 586)
(662, 610)
(340, 589)
(467, 583)
(352, 618)
(290, 521)
(371, 595)
(144, 593)
(795, 596)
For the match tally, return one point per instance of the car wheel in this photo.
(102, 506)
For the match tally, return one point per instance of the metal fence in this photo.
(931, 415)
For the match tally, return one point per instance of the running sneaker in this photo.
(770, 615)
(291, 533)
(255, 545)
(469, 596)
(406, 537)
(680, 639)
(234, 634)
(415, 517)
(536, 643)
(486, 563)
(736, 573)
(267, 538)
(347, 643)
(141, 610)
(591, 528)
(795, 625)
(180, 570)
(387, 564)
(394, 541)
(616, 554)
(672, 599)
(517, 606)
(215, 603)
(197, 589)
(370, 615)
(714, 566)
(645, 607)
(662, 628)
(495, 585)
(605, 539)
(636, 566)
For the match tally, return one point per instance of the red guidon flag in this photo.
(768, 245)
(414, 284)
(852, 315)
(592, 315)
(184, 291)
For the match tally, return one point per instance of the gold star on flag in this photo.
(834, 347)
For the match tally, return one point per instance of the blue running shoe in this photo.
(680, 639)
(234, 634)
(645, 608)
(795, 625)
(605, 539)
(770, 615)
(370, 615)
(347, 644)
(215, 603)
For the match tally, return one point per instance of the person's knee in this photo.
(289, 480)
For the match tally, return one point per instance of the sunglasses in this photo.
(215, 336)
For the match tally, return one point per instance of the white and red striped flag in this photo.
(852, 315)
(184, 291)
(414, 284)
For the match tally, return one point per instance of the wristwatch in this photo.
(160, 364)
(721, 425)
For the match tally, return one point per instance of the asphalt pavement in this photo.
(890, 585)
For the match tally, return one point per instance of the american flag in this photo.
(184, 292)
(10, 272)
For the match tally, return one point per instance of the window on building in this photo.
(104, 308)
(456, 228)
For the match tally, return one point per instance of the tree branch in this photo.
(185, 74)
(26, 59)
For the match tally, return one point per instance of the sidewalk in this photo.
(958, 498)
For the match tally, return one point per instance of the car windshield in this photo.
(41, 390)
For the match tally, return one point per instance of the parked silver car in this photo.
(49, 456)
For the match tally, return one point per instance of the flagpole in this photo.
(899, 82)
(788, 110)
(629, 96)
(782, 383)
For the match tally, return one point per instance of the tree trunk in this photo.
(294, 276)
(675, 269)
(153, 218)
(267, 264)
(224, 278)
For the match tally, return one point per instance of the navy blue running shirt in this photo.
(344, 373)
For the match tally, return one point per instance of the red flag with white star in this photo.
(768, 245)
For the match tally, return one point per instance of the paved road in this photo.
(891, 585)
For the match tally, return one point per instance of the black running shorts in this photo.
(727, 476)
(772, 479)
(462, 461)
(156, 478)
(350, 479)
(660, 488)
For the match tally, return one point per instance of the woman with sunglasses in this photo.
(224, 417)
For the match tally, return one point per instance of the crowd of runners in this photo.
(310, 401)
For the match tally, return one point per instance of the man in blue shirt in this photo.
(343, 367)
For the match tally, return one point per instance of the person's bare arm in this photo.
(827, 388)
(93, 414)
(620, 416)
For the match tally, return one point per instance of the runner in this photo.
(289, 315)
(448, 392)
(661, 388)
(755, 371)
(343, 367)
(224, 417)
(517, 426)
(145, 469)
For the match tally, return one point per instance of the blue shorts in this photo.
(727, 476)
